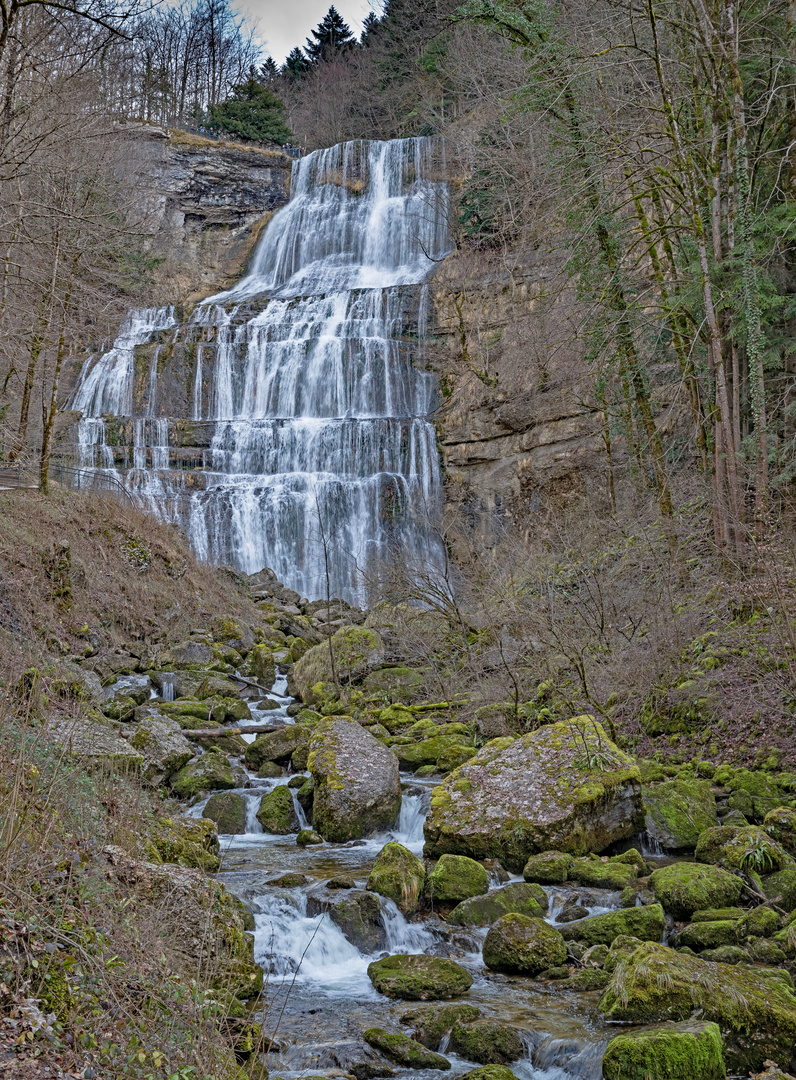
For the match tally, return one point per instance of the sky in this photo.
(283, 24)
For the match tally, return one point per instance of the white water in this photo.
(322, 451)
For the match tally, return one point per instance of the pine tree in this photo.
(269, 72)
(331, 35)
(252, 111)
(368, 26)
(296, 64)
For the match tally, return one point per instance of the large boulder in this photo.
(611, 874)
(756, 1014)
(398, 875)
(645, 923)
(277, 746)
(668, 1052)
(548, 868)
(356, 651)
(565, 786)
(523, 946)
(357, 913)
(403, 1050)
(210, 772)
(518, 898)
(185, 841)
(487, 1041)
(678, 811)
(456, 878)
(260, 666)
(432, 1022)
(683, 888)
(228, 810)
(276, 813)
(162, 746)
(419, 977)
(357, 782)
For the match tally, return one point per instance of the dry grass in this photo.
(189, 138)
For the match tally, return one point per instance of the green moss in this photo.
(725, 954)
(211, 772)
(586, 979)
(686, 887)
(356, 651)
(308, 837)
(431, 1023)
(760, 922)
(645, 923)
(780, 824)
(602, 875)
(427, 752)
(419, 977)
(710, 846)
(403, 1050)
(522, 945)
(678, 811)
(277, 814)
(490, 1072)
(487, 1042)
(456, 878)
(398, 875)
(717, 914)
(184, 841)
(454, 756)
(520, 898)
(753, 849)
(549, 868)
(673, 1052)
(781, 887)
(228, 810)
(707, 935)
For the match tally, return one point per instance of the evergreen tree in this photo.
(368, 26)
(296, 64)
(331, 35)
(269, 72)
(252, 111)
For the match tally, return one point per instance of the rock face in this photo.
(523, 946)
(357, 783)
(419, 978)
(399, 875)
(676, 1051)
(565, 786)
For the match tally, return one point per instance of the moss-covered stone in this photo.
(645, 923)
(595, 956)
(602, 875)
(754, 793)
(756, 1015)
(686, 887)
(357, 650)
(678, 811)
(260, 666)
(403, 1050)
(211, 772)
(487, 1042)
(308, 837)
(565, 786)
(455, 755)
(586, 979)
(548, 868)
(398, 875)
(520, 898)
(717, 914)
(228, 810)
(753, 849)
(357, 913)
(781, 887)
(419, 978)
(492, 1072)
(780, 824)
(276, 746)
(670, 1052)
(414, 755)
(276, 814)
(707, 935)
(456, 878)
(523, 946)
(764, 952)
(185, 841)
(711, 843)
(725, 954)
(759, 922)
(269, 770)
(431, 1024)
(621, 947)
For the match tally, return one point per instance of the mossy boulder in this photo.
(565, 787)
(185, 841)
(754, 793)
(456, 878)
(521, 945)
(277, 746)
(586, 979)
(756, 1015)
(357, 913)
(419, 977)
(455, 755)
(780, 824)
(276, 813)
(211, 772)
(308, 837)
(260, 666)
(518, 898)
(759, 922)
(403, 1050)
(645, 923)
(707, 935)
(269, 770)
(602, 875)
(431, 1023)
(492, 1072)
(753, 849)
(717, 914)
(162, 746)
(228, 810)
(357, 782)
(678, 811)
(670, 1052)
(781, 887)
(399, 875)
(487, 1041)
(357, 650)
(427, 752)
(686, 887)
(711, 843)
(725, 954)
(548, 868)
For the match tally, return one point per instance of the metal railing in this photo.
(27, 476)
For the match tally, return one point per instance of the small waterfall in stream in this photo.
(286, 424)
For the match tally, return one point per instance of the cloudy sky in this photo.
(283, 24)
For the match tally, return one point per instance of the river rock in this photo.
(432, 1024)
(186, 841)
(308, 837)
(678, 811)
(487, 1042)
(756, 1014)
(356, 651)
(611, 874)
(548, 868)
(228, 810)
(683, 888)
(523, 946)
(398, 875)
(645, 923)
(490, 1072)
(357, 913)
(163, 748)
(456, 878)
(520, 898)
(357, 782)
(404, 1051)
(260, 666)
(419, 977)
(276, 814)
(210, 772)
(565, 786)
(276, 745)
(669, 1051)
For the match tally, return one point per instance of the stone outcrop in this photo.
(565, 786)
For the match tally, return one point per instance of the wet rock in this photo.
(355, 1058)
(419, 978)
(432, 1024)
(342, 881)
(518, 797)
(276, 814)
(602, 875)
(520, 898)
(289, 881)
(645, 923)
(163, 748)
(672, 1051)
(185, 841)
(269, 770)
(523, 946)
(678, 811)
(357, 913)
(404, 1051)
(490, 1072)
(548, 868)
(308, 837)
(210, 772)
(487, 1042)
(686, 887)
(357, 782)
(228, 810)
(571, 913)
(756, 1015)
(586, 979)
(305, 796)
(398, 875)
(456, 878)
(276, 746)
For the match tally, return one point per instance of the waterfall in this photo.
(308, 376)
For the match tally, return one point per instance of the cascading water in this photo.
(310, 447)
